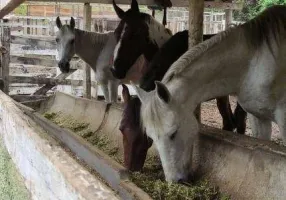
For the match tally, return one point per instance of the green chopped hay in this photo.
(151, 180)
(50, 116)
(12, 184)
(83, 130)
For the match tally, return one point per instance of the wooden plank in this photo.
(5, 57)
(21, 98)
(87, 73)
(196, 18)
(33, 61)
(228, 18)
(177, 3)
(42, 43)
(44, 89)
(42, 62)
(41, 80)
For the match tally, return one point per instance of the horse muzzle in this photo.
(64, 66)
(117, 74)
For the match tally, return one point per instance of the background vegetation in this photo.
(253, 7)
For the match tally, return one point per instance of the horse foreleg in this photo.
(226, 113)
(261, 128)
(240, 119)
(104, 88)
(113, 90)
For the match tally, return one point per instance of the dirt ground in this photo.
(210, 116)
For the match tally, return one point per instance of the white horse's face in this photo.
(173, 129)
(65, 40)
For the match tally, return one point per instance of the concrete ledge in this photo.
(245, 167)
(112, 172)
(79, 108)
(49, 172)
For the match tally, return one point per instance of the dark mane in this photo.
(176, 46)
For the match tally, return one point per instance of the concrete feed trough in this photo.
(240, 166)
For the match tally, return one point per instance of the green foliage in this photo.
(21, 10)
(252, 9)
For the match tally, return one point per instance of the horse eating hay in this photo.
(254, 69)
(136, 143)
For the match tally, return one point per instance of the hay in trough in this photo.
(151, 179)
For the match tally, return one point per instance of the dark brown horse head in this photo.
(135, 142)
(137, 33)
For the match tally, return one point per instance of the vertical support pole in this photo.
(5, 57)
(86, 68)
(228, 18)
(196, 18)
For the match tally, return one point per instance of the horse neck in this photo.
(88, 45)
(217, 72)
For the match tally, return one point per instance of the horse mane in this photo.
(94, 36)
(256, 31)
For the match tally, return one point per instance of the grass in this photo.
(151, 179)
(12, 185)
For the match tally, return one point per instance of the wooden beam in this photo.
(41, 80)
(44, 89)
(196, 18)
(87, 73)
(5, 57)
(42, 62)
(33, 61)
(228, 18)
(21, 98)
(176, 3)
(42, 43)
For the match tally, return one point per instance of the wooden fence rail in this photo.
(47, 83)
(42, 62)
(40, 43)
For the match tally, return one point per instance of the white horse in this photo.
(96, 49)
(248, 61)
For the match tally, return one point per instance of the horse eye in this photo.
(72, 41)
(57, 40)
(172, 137)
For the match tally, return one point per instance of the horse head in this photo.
(135, 142)
(137, 33)
(65, 40)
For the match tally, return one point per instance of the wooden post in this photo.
(5, 58)
(228, 18)
(196, 18)
(86, 69)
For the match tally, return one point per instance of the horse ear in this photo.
(120, 13)
(162, 92)
(142, 94)
(134, 6)
(125, 93)
(58, 22)
(72, 23)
